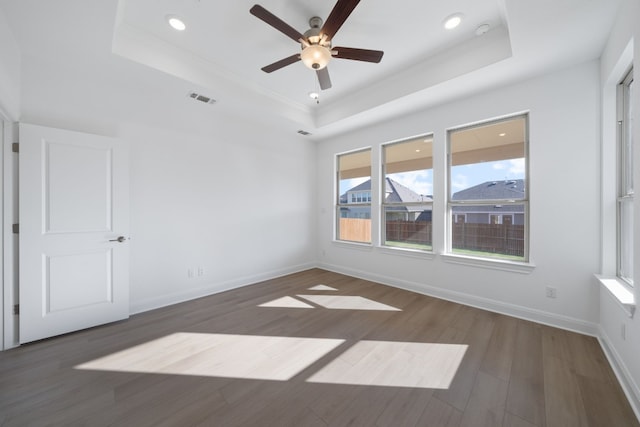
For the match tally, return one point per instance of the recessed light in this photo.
(502, 134)
(417, 151)
(452, 21)
(482, 29)
(176, 23)
(314, 95)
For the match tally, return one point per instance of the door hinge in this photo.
(15, 147)
(16, 309)
(16, 228)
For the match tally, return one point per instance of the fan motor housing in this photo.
(316, 51)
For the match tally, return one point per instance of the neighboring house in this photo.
(491, 214)
(394, 193)
(358, 200)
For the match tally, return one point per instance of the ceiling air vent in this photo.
(304, 132)
(201, 98)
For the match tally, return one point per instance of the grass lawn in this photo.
(407, 245)
(425, 247)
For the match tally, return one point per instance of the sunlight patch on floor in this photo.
(394, 364)
(322, 288)
(219, 355)
(345, 302)
(286, 302)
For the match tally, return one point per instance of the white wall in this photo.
(208, 188)
(9, 71)
(622, 48)
(564, 218)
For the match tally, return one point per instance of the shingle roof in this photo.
(394, 191)
(398, 193)
(365, 186)
(489, 208)
(493, 190)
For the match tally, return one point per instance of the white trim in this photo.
(406, 252)
(609, 161)
(354, 245)
(9, 203)
(3, 299)
(212, 288)
(619, 292)
(526, 201)
(494, 264)
(629, 386)
(538, 316)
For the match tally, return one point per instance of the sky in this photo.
(462, 177)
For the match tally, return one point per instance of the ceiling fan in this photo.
(315, 43)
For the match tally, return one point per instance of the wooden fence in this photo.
(418, 232)
(506, 239)
(355, 229)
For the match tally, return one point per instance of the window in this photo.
(487, 175)
(407, 183)
(359, 196)
(625, 180)
(353, 197)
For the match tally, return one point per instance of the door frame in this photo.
(9, 245)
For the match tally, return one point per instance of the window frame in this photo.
(338, 205)
(382, 188)
(525, 201)
(624, 184)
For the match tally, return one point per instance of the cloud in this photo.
(459, 182)
(517, 167)
(348, 184)
(499, 166)
(514, 166)
(418, 181)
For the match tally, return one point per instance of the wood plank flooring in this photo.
(279, 353)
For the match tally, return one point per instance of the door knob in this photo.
(120, 239)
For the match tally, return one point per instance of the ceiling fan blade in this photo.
(338, 15)
(282, 63)
(358, 54)
(277, 23)
(323, 78)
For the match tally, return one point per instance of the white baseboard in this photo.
(629, 386)
(538, 316)
(212, 288)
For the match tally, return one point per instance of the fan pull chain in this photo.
(315, 94)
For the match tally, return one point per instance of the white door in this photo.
(74, 205)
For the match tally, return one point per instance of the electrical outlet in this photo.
(200, 271)
(190, 272)
(551, 292)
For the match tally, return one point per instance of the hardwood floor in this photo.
(281, 354)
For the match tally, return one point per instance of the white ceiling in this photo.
(224, 47)
(238, 43)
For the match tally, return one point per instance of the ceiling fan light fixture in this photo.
(315, 56)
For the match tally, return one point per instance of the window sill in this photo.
(353, 245)
(620, 292)
(494, 264)
(413, 253)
